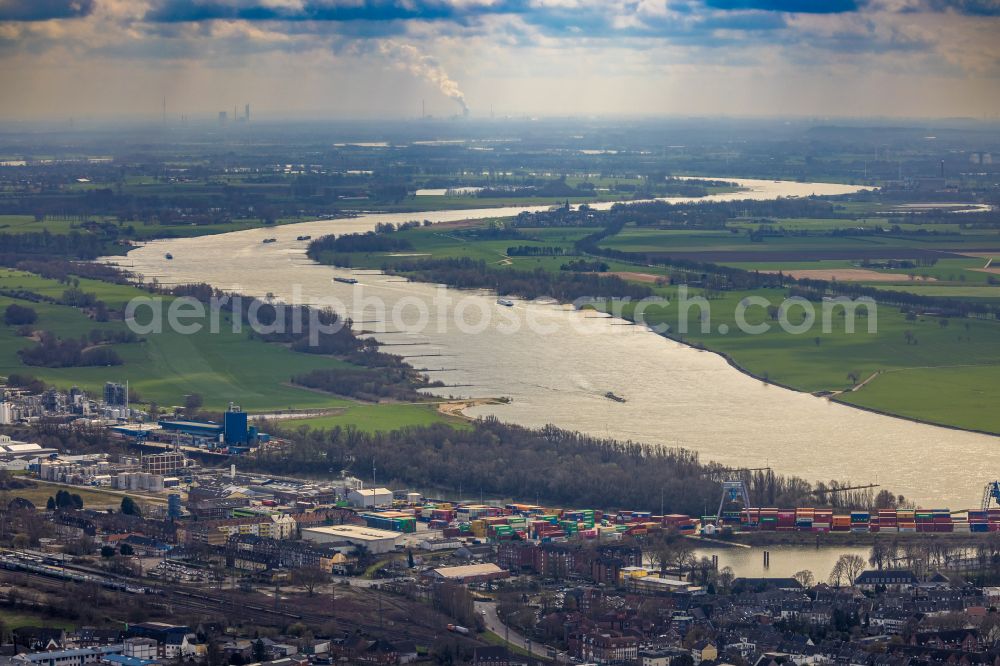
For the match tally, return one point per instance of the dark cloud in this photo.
(43, 10)
(747, 21)
(791, 6)
(326, 10)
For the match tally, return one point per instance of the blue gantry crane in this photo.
(991, 493)
(734, 499)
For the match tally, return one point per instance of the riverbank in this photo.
(766, 538)
(456, 408)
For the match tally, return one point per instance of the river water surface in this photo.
(785, 560)
(676, 395)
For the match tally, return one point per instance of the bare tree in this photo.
(725, 578)
(883, 553)
(805, 578)
(683, 554)
(847, 569)
(309, 578)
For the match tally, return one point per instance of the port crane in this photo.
(735, 494)
(991, 493)
(841, 489)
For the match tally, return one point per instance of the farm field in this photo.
(948, 265)
(728, 247)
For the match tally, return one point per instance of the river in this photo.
(676, 395)
(785, 560)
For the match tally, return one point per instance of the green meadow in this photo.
(963, 396)
(371, 418)
(911, 356)
(164, 367)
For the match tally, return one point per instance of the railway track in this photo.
(194, 600)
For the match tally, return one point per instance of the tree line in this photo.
(466, 273)
(697, 214)
(54, 352)
(545, 464)
(397, 383)
(366, 242)
(75, 244)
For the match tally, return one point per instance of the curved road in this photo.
(488, 611)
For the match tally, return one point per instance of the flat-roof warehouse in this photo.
(375, 540)
(471, 573)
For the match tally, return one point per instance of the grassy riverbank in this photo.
(372, 418)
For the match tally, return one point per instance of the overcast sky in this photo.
(380, 58)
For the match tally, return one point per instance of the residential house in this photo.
(888, 579)
(605, 648)
(704, 650)
(494, 655)
(662, 656)
(39, 638)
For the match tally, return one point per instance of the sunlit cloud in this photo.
(532, 51)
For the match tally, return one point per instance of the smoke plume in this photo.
(409, 58)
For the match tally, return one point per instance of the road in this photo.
(488, 611)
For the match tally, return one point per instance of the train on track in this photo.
(51, 567)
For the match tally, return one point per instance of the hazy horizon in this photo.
(396, 59)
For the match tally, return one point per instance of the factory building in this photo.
(195, 429)
(375, 541)
(233, 432)
(163, 463)
(115, 394)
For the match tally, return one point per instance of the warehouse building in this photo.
(471, 573)
(375, 541)
(370, 498)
